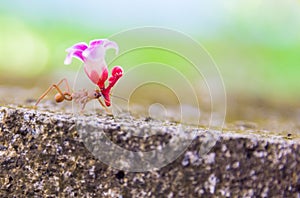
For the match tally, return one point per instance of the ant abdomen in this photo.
(59, 98)
(66, 96)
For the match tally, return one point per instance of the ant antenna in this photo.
(119, 109)
(119, 97)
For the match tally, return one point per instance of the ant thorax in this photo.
(84, 96)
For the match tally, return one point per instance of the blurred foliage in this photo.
(257, 52)
(30, 50)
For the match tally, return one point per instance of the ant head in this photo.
(95, 94)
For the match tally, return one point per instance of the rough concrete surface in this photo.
(43, 155)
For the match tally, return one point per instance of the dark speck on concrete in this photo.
(147, 119)
(120, 174)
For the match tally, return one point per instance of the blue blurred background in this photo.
(256, 44)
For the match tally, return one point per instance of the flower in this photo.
(93, 57)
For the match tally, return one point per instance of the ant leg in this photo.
(66, 95)
(55, 86)
(102, 104)
(83, 106)
(118, 108)
(68, 92)
(46, 93)
(66, 83)
(119, 97)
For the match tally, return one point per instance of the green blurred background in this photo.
(256, 44)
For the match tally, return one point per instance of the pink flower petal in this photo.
(103, 78)
(78, 54)
(68, 59)
(97, 49)
(96, 42)
(95, 61)
(78, 46)
(95, 66)
(94, 53)
(75, 53)
(94, 76)
(96, 71)
(110, 44)
(117, 73)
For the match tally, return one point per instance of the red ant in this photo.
(81, 97)
(96, 69)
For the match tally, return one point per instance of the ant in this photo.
(93, 57)
(81, 97)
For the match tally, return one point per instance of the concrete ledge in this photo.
(41, 154)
